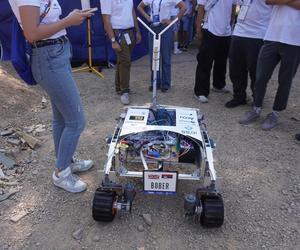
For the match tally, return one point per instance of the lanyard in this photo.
(46, 10)
(152, 7)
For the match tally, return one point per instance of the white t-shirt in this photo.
(256, 21)
(174, 11)
(218, 16)
(163, 8)
(120, 12)
(52, 16)
(189, 7)
(284, 26)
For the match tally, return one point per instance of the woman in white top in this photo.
(51, 69)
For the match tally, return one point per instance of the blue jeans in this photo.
(52, 70)
(164, 79)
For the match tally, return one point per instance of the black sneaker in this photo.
(297, 136)
(184, 48)
(234, 103)
(164, 89)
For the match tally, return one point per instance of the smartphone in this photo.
(90, 10)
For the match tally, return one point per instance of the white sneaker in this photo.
(81, 165)
(125, 99)
(202, 98)
(69, 182)
(177, 51)
(222, 90)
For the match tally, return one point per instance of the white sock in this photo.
(175, 45)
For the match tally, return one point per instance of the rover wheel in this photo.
(103, 209)
(213, 211)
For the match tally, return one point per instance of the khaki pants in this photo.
(123, 61)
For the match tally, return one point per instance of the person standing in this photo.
(282, 44)
(160, 18)
(51, 69)
(119, 19)
(246, 42)
(213, 27)
(176, 26)
(186, 23)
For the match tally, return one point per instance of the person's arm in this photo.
(137, 28)
(199, 21)
(294, 4)
(182, 9)
(141, 8)
(109, 31)
(34, 30)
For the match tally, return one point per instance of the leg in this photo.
(117, 75)
(238, 68)
(268, 58)
(252, 48)
(220, 65)
(205, 58)
(290, 58)
(58, 126)
(59, 84)
(166, 53)
(124, 58)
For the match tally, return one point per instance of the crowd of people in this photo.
(262, 35)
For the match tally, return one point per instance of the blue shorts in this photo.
(176, 26)
(185, 23)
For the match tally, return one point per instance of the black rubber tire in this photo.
(213, 211)
(103, 205)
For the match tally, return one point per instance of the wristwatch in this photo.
(113, 40)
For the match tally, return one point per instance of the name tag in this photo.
(155, 20)
(243, 12)
(127, 38)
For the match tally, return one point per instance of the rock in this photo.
(78, 234)
(5, 196)
(15, 142)
(2, 175)
(96, 238)
(18, 216)
(7, 162)
(14, 152)
(37, 244)
(35, 172)
(7, 132)
(30, 140)
(140, 228)
(147, 218)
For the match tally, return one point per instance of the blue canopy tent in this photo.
(102, 50)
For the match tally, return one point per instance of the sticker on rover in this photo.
(161, 183)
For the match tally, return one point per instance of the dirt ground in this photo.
(260, 172)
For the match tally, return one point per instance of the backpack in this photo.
(21, 50)
(20, 53)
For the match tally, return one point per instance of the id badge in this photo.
(127, 38)
(155, 20)
(243, 12)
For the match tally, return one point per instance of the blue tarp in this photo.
(102, 50)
